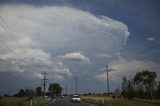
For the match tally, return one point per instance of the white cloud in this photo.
(30, 63)
(151, 39)
(76, 56)
(64, 27)
(104, 55)
(129, 68)
(27, 53)
(55, 29)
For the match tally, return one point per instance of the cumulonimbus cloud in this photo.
(42, 31)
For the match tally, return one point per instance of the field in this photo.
(108, 101)
(22, 101)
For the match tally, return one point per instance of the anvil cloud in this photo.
(37, 36)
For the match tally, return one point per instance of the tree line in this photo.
(54, 89)
(143, 85)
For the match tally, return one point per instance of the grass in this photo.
(117, 102)
(22, 101)
(36, 101)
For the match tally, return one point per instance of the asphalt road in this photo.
(67, 102)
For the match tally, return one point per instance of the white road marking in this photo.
(89, 104)
(66, 101)
(50, 102)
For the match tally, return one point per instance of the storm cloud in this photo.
(41, 32)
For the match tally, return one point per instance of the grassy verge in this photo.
(38, 101)
(107, 101)
(22, 101)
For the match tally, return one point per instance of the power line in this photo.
(6, 28)
(11, 49)
(12, 35)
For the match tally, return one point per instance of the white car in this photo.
(76, 98)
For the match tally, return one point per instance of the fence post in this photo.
(103, 100)
(31, 102)
(35, 102)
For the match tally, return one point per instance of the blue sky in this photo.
(70, 38)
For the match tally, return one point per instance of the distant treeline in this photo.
(54, 90)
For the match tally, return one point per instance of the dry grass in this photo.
(116, 102)
(22, 101)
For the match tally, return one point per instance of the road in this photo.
(67, 102)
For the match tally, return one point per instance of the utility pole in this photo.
(44, 80)
(76, 83)
(63, 90)
(107, 68)
(66, 89)
(41, 85)
(107, 71)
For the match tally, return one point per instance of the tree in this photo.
(130, 89)
(124, 87)
(39, 91)
(55, 88)
(138, 81)
(127, 88)
(30, 93)
(158, 90)
(146, 79)
(21, 93)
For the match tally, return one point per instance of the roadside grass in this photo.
(7, 99)
(36, 101)
(108, 101)
(22, 101)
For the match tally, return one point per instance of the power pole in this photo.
(63, 90)
(76, 83)
(41, 87)
(66, 89)
(107, 68)
(44, 80)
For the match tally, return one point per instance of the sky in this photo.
(68, 38)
